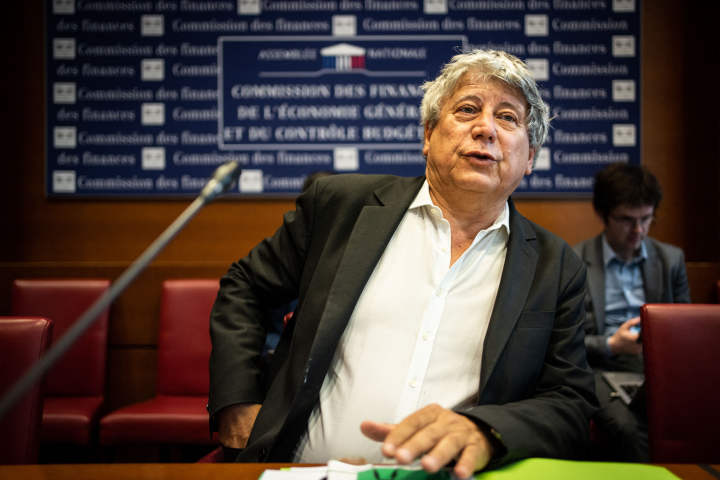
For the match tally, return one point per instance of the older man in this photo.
(432, 316)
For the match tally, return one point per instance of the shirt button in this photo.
(439, 292)
(435, 212)
(444, 249)
(425, 336)
(413, 383)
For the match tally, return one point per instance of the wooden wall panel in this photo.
(131, 376)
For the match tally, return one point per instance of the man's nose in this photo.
(484, 127)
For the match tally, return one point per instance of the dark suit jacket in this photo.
(535, 389)
(663, 275)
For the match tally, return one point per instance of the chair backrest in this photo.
(682, 379)
(81, 371)
(184, 336)
(23, 341)
(216, 456)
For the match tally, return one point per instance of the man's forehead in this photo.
(629, 210)
(480, 79)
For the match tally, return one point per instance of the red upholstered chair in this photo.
(23, 341)
(216, 456)
(178, 412)
(76, 384)
(682, 379)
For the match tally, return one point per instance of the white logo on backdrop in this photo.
(251, 181)
(63, 181)
(542, 159)
(152, 69)
(539, 67)
(623, 135)
(623, 46)
(623, 90)
(64, 137)
(153, 158)
(537, 26)
(64, 7)
(249, 7)
(152, 114)
(346, 159)
(435, 6)
(344, 25)
(64, 92)
(64, 48)
(623, 5)
(152, 25)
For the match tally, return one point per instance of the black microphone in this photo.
(221, 182)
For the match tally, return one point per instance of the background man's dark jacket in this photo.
(535, 386)
(663, 274)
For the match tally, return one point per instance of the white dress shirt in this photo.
(415, 337)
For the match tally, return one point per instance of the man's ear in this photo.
(531, 159)
(426, 139)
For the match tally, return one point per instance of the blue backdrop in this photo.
(146, 98)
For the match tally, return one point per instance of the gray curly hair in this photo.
(488, 64)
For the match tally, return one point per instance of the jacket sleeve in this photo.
(554, 421)
(267, 278)
(595, 344)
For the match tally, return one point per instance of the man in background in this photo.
(626, 269)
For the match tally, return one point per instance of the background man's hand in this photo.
(235, 423)
(439, 434)
(624, 340)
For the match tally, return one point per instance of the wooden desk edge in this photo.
(208, 471)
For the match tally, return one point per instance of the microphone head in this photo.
(222, 180)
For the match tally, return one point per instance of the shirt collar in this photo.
(422, 199)
(610, 255)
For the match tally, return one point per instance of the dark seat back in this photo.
(682, 377)
(23, 341)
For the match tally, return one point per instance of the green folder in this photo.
(537, 469)
(543, 469)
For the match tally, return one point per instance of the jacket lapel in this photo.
(371, 234)
(593, 258)
(652, 275)
(515, 282)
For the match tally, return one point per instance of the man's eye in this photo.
(507, 117)
(467, 109)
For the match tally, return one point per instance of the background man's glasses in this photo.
(630, 222)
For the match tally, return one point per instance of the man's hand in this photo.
(440, 435)
(235, 423)
(625, 341)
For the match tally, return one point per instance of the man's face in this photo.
(626, 227)
(480, 143)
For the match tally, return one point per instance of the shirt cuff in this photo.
(608, 352)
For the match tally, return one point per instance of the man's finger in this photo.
(460, 439)
(376, 430)
(475, 457)
(404, 430)
(445, 438)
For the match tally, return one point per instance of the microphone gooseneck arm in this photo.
(221, 182)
